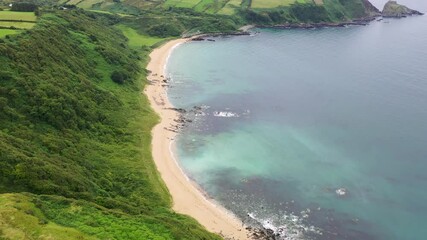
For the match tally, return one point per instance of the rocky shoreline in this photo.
(356, 22)
(246, 32)
(391, 10)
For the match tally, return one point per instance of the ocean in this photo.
(315, 134)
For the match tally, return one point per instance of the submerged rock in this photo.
(394, 10)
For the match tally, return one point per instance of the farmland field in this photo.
(88, 3)
(228, 9)
(274, 3)
(171, 3)
(4, 32)
(12, 19)
(216, 6)
(24, 16)
(74, 2)
(20, 25)
(187, 3)
(208, 6)
(203, 5)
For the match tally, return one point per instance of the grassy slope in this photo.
(19, 25)
(21, 219)
(136, 39)
(68, 132)
(6, 32)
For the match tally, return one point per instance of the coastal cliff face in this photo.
(394, 10)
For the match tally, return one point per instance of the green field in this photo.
(5, 32)
(203, 5)
(275, 3)
(186, 3)
(207, 6)
(73, 2)
(88, 3)
(230, 7)
(19, 25)
(24, 16)
(28, 18)
(109, 13)
(136, 39)
(173, 3)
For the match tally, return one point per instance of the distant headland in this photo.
(394, 10)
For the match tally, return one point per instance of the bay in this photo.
(317, 134)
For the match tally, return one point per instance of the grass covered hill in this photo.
(265, 12)
(75, 160)
(252, 11)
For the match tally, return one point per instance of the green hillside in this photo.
(268, 11)
(75, 160)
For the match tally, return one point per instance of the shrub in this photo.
(119, 77)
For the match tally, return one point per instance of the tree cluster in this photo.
(24, 7)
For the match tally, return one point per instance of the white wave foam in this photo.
(225, 114)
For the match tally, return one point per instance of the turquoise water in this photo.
(311, 112)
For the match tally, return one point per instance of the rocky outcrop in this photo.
(357, 22)
(394, 10)
(370, 9)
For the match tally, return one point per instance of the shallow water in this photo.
(314, 111)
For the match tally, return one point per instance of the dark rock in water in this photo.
(198, 39)
(180, 110)
(394, 10)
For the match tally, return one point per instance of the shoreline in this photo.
(186, 197)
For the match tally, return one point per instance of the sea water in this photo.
(315, 134)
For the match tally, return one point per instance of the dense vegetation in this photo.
(177, 21)
(24, 7)
(75, 140)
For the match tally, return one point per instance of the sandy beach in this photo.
(187, 199)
